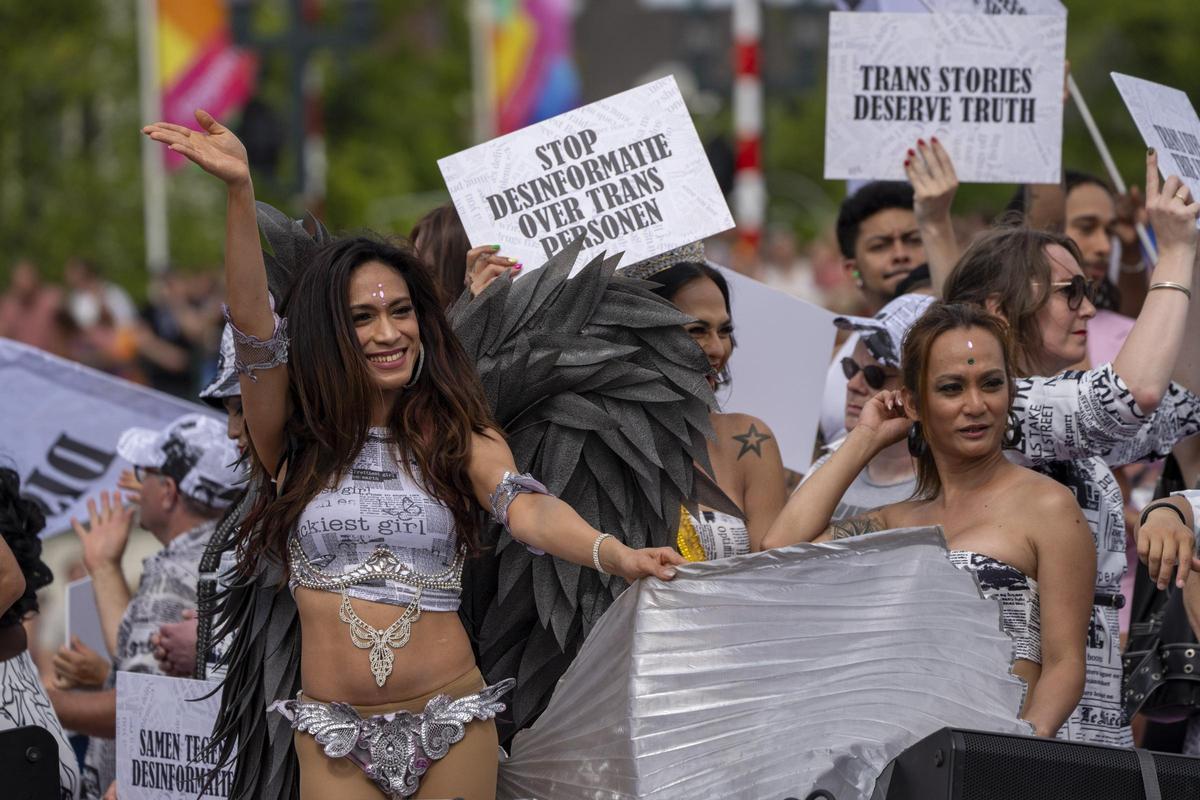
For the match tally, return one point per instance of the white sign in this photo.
(162, 738)
(83, 618)
(1051, 8)
(628, 173)
(782, 342)
(60, 421)
(988, 87)
(1167, 121)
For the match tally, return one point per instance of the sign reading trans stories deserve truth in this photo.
(1167, 121)
(989, 87)
(163, 729)
(627, 173)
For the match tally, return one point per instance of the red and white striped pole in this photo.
(749, 188)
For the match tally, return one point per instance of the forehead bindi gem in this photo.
(378, 294)
(970, 362)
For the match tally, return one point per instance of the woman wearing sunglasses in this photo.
(1077, 425)
(874, 367)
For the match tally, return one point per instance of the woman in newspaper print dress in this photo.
(1075, 426)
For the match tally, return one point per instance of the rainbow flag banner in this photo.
(533, 76)
(198, 65)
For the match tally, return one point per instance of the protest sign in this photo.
(627, 173)
(1167, 121)
(1050, 8)
(163, 729)
(83, 618)
(59, 424)
(786, 341)
(988, 86)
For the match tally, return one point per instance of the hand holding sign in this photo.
(931, 173)
(1171, 211)
(79, 667)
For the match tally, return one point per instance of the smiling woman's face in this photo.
(385, 323)
(713, 329)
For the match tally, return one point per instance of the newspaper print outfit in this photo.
(23, 702)
(167, 587)
(1075, 427)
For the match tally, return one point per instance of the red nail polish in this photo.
(921, 142)
(911, 153)
(933, 139)
(907, 162)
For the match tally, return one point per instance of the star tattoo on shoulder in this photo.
(752, 441)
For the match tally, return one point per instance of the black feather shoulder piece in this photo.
(601, 393)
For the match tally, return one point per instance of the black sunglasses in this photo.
(873, 374)
(1076, 289)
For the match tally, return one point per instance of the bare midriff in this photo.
(332, 668)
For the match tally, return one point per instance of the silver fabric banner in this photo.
(773, 674)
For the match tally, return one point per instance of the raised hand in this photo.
(107, 532)
(1170, 208)
(883, 415)
(934, 181)
(214, 148)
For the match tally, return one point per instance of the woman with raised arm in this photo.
(1021, 534)
(1077, 426)
(373, 445)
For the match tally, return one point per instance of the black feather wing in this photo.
(601, 394)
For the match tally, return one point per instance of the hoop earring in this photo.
(1013, 436)
(916, 441)
(420, 365)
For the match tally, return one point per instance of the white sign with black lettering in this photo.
(163, 729)
(60, 421)
(1051, 8)
(989, 87)
(1167, 121)
(627, 173)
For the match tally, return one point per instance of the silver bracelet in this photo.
(1179, 287)
(596, 552)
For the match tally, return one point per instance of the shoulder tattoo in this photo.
(752, 441)
(853, 526)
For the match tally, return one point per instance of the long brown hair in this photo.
(938, 319)
(331, 395)
(443, 244)
(1010, 266)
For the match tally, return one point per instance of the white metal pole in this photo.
(1109, 164)
(482, 70)
(154, 183)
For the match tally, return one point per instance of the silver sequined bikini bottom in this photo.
(395, 749)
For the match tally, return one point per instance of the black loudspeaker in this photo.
(29, 763)
(955, 764)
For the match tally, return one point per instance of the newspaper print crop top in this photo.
(377, 520)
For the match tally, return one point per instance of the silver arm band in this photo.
(506, 491)
(252, 354)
